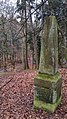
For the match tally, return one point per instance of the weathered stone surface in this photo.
(46, 106)
(48, 90)
(49, 47)
(43, 94)
(48, 82)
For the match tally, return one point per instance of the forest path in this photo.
(16, 96)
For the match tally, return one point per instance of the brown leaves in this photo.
(16, 97)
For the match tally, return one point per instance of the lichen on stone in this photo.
(49, 47)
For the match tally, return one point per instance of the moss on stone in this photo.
(47, 91)
(48, 82)
(44, 83)
(53, 78)
(46, 106)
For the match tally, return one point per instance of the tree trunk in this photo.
(26, 54)
(24, 40)
(4, 62)
(35, 54)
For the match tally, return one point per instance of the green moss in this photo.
(49, 77)
(46, 106)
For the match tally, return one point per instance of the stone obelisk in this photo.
(48, 82)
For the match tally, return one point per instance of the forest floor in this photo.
(16, 96)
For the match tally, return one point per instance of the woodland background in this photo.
(21, 26)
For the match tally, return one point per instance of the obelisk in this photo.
(48, 82)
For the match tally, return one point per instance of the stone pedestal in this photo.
(48, 83)
(47, 91)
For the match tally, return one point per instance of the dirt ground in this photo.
(16, 96)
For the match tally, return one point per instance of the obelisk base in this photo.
(47, 91)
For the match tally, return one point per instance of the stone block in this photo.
(47, 89)
(38, 104)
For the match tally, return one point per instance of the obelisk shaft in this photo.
(49, 47)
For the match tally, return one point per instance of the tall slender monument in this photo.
(48, 82)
